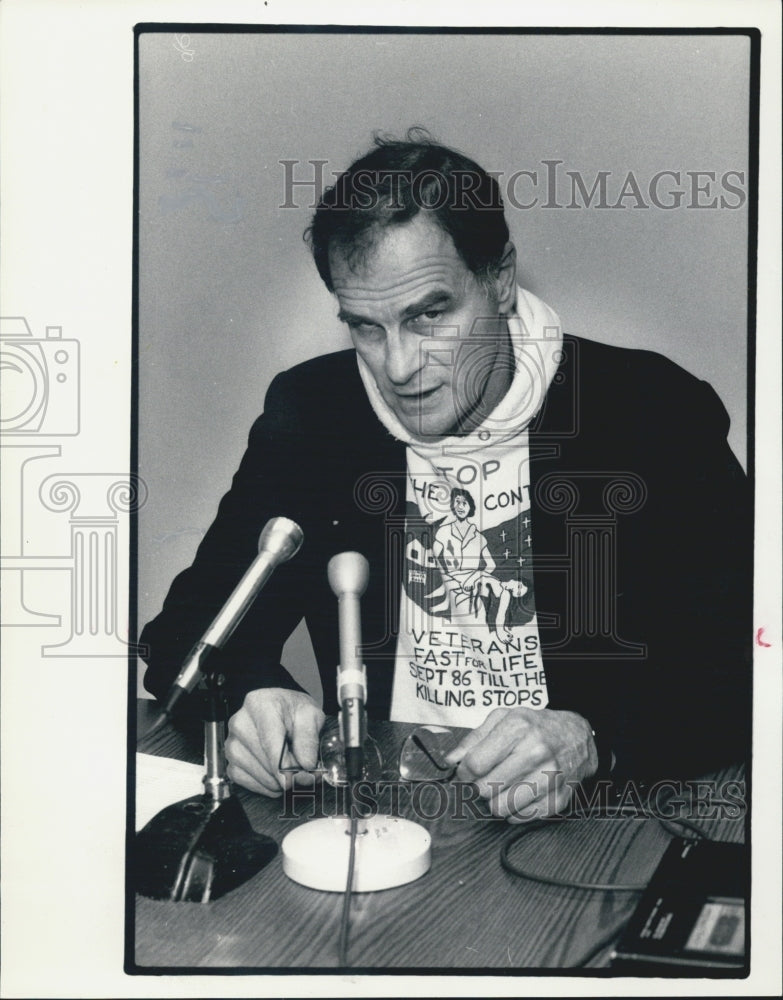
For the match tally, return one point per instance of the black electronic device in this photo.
(691, 920)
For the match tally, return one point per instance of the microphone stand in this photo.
(200, 848)
(386, 851)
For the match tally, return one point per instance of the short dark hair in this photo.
(456, 492)
(396, 180)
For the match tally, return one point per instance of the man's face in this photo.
(412, 287)
(461, 508)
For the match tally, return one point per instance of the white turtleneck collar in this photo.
(536, 338)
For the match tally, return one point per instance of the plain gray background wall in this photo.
(228, 295)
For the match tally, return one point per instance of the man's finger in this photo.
(543, 809)
(270, 737)
(505, 738)
(242, 777)
(261, 733)
(520, 760)
(536, 797)
(260, 730)
(475, 736)
(304, 779)
(305, 736)
(238, 755)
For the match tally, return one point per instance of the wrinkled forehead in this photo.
(397, 260)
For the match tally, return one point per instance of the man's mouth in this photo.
(421, 396)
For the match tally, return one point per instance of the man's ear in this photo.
(506, 280)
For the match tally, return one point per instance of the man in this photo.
(605, 491)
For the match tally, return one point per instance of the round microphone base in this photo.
(389, 852)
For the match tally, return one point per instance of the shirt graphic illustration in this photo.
(468, 639)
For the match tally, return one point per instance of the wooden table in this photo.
(467, 914)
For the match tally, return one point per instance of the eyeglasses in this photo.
(421, 756)
(331, 757)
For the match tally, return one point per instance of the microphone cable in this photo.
(668, 824)
(600, 813)
(345, 921)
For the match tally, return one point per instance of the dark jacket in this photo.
(641, 545)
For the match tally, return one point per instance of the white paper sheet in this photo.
(161, 781)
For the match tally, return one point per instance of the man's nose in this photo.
(403, 356)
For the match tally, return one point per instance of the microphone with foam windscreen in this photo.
(279, 541)
(348, 574)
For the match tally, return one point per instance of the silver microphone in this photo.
(279, 541)
(348, 574)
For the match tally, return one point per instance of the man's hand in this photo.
(256, 735)
(521, 760)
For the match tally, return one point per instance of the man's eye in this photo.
(428, 316)
(364, 329)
